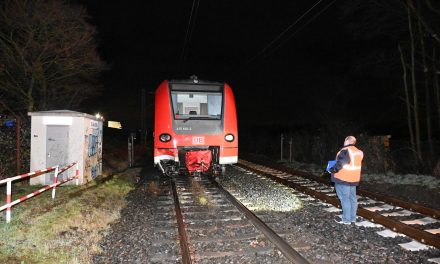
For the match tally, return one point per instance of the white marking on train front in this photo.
(198, 140)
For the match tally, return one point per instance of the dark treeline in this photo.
(383, 153)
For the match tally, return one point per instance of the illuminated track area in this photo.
(219, 229)
(393, 217)
(216, 231)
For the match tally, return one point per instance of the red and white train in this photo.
(195, 127)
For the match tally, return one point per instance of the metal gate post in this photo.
(282, 139)
(55, 178)
(129, 153)
(77, 173)
(8, 201)
(132, 148)
(290, 150)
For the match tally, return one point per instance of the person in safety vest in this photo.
(346, 174)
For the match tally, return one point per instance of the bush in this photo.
(8, 146)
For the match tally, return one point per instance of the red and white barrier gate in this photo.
(9, 181)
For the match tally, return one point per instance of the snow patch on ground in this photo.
(427, 181)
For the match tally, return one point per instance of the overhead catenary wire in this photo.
(299, 29)
(188, 34)
(262, 51)
(280, 35)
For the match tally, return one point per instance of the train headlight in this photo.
(229, 137)
(165, 137)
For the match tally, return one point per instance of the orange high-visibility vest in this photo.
(351, 172)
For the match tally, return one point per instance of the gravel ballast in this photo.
(326, 240)
(306, 226)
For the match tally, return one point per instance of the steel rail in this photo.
(280, 243)
(186, 256)
(418, 234)
(435, 213)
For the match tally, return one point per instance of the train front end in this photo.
(195, 127)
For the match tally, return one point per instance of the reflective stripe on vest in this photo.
(351, 172)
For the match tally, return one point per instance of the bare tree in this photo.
(408, 103)
(432, 7)
(414, 25)
(435, 73)
(426, 82)
(423, 19)
(48, 56)
(414, 85)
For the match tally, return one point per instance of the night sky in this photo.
(305, 77)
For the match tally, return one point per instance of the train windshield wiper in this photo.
(199, 118)
(188, 118)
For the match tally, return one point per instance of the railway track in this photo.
(164, 247)
(212, 227)
(216, 228)
(399, 217)
(217, 232)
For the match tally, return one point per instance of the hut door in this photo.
(57, 150)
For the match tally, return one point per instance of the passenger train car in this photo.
(195, 127)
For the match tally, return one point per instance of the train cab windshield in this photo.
(197, 105)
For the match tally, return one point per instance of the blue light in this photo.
(9, 123)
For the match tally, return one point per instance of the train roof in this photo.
(195, 85)
(195, 81)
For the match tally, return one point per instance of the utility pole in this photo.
(131, 139)
(282, 139)
(290, 149)
(143, 118)
(18, 143)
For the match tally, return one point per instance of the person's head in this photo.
(350, 140)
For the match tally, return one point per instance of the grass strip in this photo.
(66, 229)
